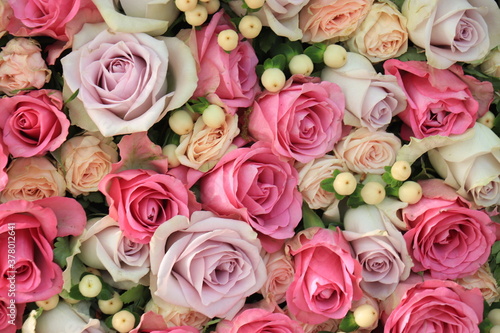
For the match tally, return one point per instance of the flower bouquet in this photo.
(249, 166)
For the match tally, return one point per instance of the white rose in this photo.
(372, 99)
(472, 166)
(452, 31)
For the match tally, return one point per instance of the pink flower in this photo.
(141, 200)
(209, 264)
(11, 315)
(256, 186)
(227, 79)
(446, 236)
(257, 321)
(327, 277)
(33, 227)
(302, 121)
(154, 323)
(440, 101)
(33, 122)
(437, 306)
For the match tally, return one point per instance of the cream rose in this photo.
(279, 276)
(175, 315)
(484, 280)
(382, 35)
(86, 160)
(103, 246)
(32, 178)
(451, 31)
(364, 151)
(472, 166)
(204, 146)
(150, 16)
(372, 99)
(491, 64)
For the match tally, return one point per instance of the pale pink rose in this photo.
(103, 246)
(491, 64)
(440, 101)
(364, 151)
(256, 186)
(280, 274)
(310, 176)
(319, 291)
(122, 79)
(175, 315)
(33, 178)
(326, 20)
(204, 146)
(209, 264)
(86, 159)
(462, 30)
(141, 200)
(22, 66)
(484, 281)
(382, 35)
(227, 79)
(372, 99)
(445, 236)
(259, 321)
(66, 318)
(380, 249)
(302, 121)
(5, 15)
(38, 18)
(444, 305)
(33, 122)
(11, 314)
(35, 226)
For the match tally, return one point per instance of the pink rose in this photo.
(174, 315)
(33, 122)
(11, 315)
(440, 101)
(209, 264)
(302, 121)
(154, 323)
(446, 236)
(440, 306)
(227, 79)
(141, 200)
(22, 66)
(326, 278)
(256, 186)
(4, 160)
(32, 227)
(326, 20)
(259, 321)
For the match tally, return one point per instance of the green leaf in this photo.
(72, 97)
(279, 61)
(107, 291)
(389, 180)
(133, 294)
(316, 52)
(413, 53)
(210, 323)
(75, 293)
(355, 199)
(398, 3)
(327, 184)
(310, 218)
(61, 251)
(266, 40)
(286, 50)
(348, 324)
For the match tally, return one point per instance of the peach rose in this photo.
(484, 280)
(382, 35)
(331, 20)
(368, 152)
(22, 66)
(175, 315)
(86, 160)
(279, 276)
(204, 146)
(31, 179)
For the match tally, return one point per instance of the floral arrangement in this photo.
(249, 166)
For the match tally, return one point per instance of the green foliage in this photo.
(413, 53)
(355, 199)
(197, 105)
(310, 218)
(389, 180)
(278, 61)
(133, 295)
(61, 251)
(316, 52)
(348, 324)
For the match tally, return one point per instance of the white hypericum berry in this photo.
(365, 315)
(345, 183)
(250, 26)
(48, 304)
(185, 5)
(228, 39)
(273, 79)
(494, 316)
(254, 4)
(211, 5)
(90, 285)
(169, 151)
(487, 120)
(181, 122)
(110, 306)
(335, 56)
(410, 192)
(401, 170)
(373, 193)
(495, 329)
(123, 321)
(196, 16)
(301, 64)
(214, 116)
